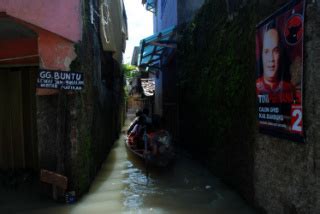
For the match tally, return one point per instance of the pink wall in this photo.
(62, 17)
(54, 51)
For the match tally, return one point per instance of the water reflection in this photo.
(185, 187)
(124, 185)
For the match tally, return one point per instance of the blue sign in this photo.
(66, 80)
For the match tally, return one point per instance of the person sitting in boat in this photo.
(145, 113)
(136, 130)
(153, 143)
(139, 114)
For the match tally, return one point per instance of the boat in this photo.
(161, 156)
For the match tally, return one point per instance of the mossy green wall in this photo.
(216, 80)
(216, 72)
(96, 113)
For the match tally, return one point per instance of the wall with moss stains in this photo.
(216, 73)
(287, 173)
(79, 128)
(217, 92)
(96, 112)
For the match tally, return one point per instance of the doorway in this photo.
(18, 135)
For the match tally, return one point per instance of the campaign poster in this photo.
(279, 72)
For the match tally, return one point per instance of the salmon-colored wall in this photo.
(62, 17)
(55, 52)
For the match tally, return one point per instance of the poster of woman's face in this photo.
(279, 60)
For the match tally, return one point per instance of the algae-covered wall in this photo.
(97, 112)
(216, 72)
(187, 9)
(83, 125)
(217, 91)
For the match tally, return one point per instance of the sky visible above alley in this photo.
(140, 25)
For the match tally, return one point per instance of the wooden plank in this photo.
(33, 110)
(15, 103)
(4, 120)
(163, 45)
(53, 178)
(29, 116)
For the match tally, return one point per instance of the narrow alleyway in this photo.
(122, 187)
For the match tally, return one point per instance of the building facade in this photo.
(158, 54)
(51, 128)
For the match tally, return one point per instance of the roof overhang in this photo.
(13, 30)
(150, 5)
(153, 47)
(18, 42)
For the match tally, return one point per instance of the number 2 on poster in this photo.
(296, 119)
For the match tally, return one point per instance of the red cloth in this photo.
(283, 92)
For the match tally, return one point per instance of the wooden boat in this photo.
(162, 156)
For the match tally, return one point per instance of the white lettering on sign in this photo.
(264, 109)
(44, 74)
(274, 110)
(60, 80)
(263, 98)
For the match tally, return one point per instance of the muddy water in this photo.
(124, 185)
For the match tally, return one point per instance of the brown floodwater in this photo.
(124, 185)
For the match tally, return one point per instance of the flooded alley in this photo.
(221, 96)
(122, 186)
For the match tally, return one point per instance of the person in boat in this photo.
(140, 113)
(141, 124)
(135, 121)
(145, 113)
(136, 131)
(153, 141)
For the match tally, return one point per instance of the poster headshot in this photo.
(279, 72)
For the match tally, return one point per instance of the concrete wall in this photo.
(55, 52)
(312, 100)
(113, 25)
(173, 12)
(166, 15)
(50, 50)
(287, 174)
(48, 14)
(187, 9)
(75, 130)
(158, 96)
(95, 114)
(277, 175)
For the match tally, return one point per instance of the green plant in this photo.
(130, 71)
